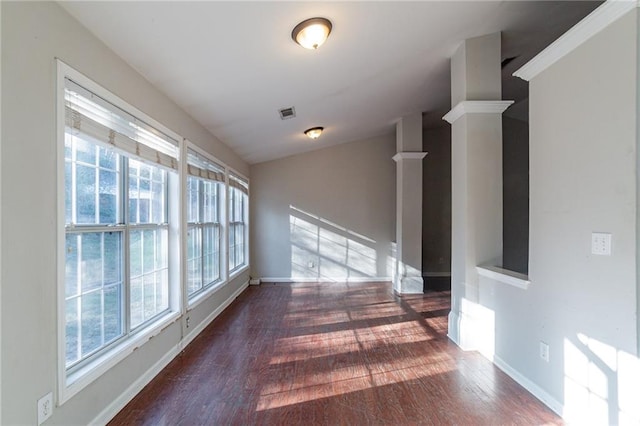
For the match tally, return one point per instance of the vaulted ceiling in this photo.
(233, 65)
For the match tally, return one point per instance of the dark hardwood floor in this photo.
(348, 354)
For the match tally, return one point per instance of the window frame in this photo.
(73, 380)
(70, 383)
(193, 300)
(238, 269)
(131, 227)
(125, 227)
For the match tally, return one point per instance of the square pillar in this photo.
(476, 177)
(408, 277)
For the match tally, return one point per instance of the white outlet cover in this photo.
(544, 351)
(601, 243)
(45, 408)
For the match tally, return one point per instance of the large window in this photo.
(205, 186)
(238, 213)
(116, 177)
(136, 249)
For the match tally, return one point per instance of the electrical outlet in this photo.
(45, 407)
(188, 321)
(311, 265)
(544, 351)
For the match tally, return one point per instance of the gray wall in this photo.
(309, 207)
(515, 195)
(583, 140)
(33, 35)
(436, 202)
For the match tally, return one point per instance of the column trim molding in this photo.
(409, 156)
(596, 21)
(476, 107)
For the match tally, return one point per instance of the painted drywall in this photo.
(583, 143)
(0, 225)
(436, 203)
(33, 35)
(476, 181)
(408, 278)
(484, 82)
(515, 195)
(333, 207)
(638, 182)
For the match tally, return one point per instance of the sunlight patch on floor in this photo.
(298, 348)
(330, 383)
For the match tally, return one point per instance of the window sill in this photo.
(504, 276)
(206, 294)
(74, 383)
(238, 271)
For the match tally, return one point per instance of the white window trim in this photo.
(77, 381)
(233, 274)
(190, 304)
(239, 271)
(204, 295)
(70, 385)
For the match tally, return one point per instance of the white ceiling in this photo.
(232, 65)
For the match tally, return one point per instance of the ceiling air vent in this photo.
(286, 113)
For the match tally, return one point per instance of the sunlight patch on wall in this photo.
(327, 251)
(476, 325)
(601, 383)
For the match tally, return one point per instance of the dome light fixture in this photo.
(311, 33)
(314, 132)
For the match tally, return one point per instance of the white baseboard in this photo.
(464, 325)
(454, 324)
(119, 403)
(459, 331)
(203, 324)
(457, 336)
(437, 274)
(325, 279)
(534, 389)
(406, 285)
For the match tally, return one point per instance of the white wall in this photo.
(33, 35)
(341, 194)
(583, 144)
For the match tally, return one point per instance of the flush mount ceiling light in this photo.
(311, 33)
(314, 132)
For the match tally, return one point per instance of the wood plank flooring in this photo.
(332, 354)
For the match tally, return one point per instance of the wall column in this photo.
(408, 277)
(476, 177)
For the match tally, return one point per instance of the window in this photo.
(120, 238)
(205, 186)
(238, 206)
(116, 177)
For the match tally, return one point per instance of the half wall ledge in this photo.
(504, 276)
